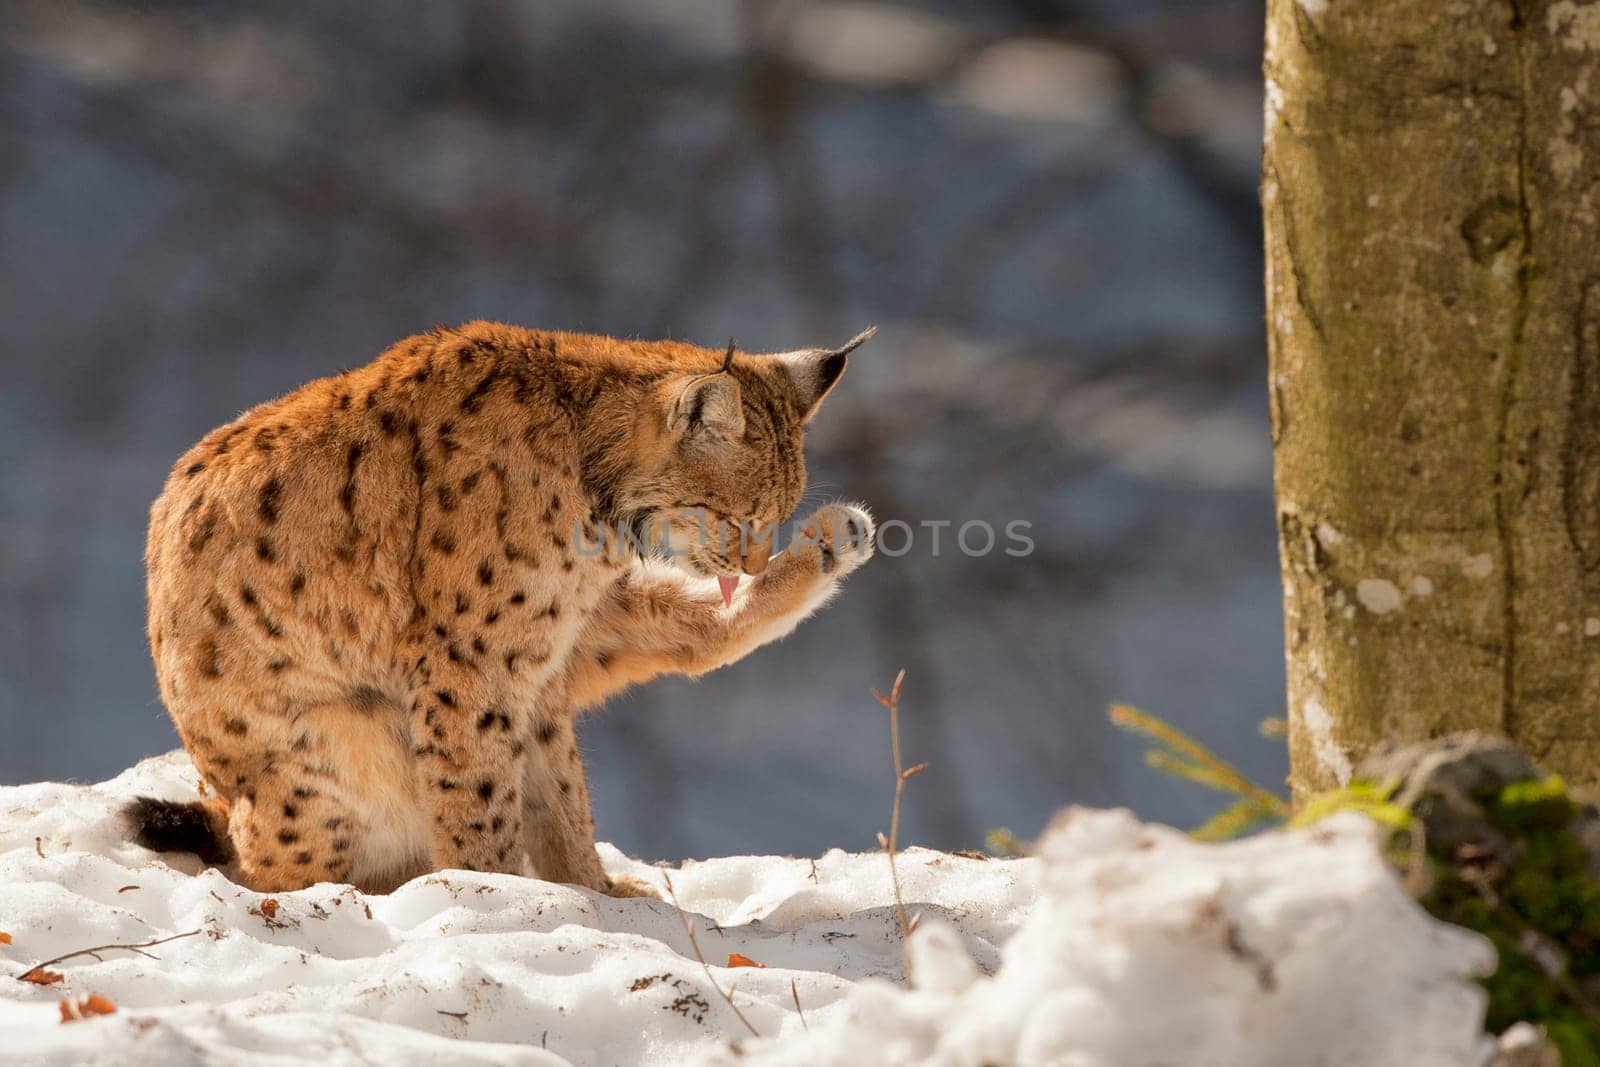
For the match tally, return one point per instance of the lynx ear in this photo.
(816, 371)
(710, 402)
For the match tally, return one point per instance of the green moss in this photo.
(1543, 893)
(1518, 989)
(1573, 1039)
(1549, 889)
(1538, 803)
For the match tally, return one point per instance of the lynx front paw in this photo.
(832, 542)
(841, 535)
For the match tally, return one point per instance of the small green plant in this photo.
(1254, 807)
(1002, 842)
(1178, 754)
(1369, 798)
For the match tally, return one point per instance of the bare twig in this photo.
(891, 843)
(794, 992)
(95, 952)
(688, 928)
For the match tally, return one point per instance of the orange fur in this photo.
(376, 604)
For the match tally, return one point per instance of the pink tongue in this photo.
(727, 585)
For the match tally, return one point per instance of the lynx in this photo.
(378, 604)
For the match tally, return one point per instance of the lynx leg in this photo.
(289, 834)
(559, 825)
(332, 799)
(469, 766)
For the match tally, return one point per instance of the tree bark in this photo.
(1430, 190)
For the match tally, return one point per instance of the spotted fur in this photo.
(377, 604)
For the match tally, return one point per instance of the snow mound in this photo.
(1124, 944)
(1147, 947)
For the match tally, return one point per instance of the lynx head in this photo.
(722, 460)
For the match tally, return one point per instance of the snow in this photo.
(522, 963)
(1150, 948)
(1123, 943)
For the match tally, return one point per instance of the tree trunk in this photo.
(1433, 295)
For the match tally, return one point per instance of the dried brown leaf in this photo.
(74, 1009)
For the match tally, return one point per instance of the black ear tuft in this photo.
(815, 371)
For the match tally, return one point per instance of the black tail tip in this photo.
(175, 826)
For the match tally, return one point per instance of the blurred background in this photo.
(1048, 206)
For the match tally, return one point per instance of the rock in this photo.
(1472, 764)
(1446, 781)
